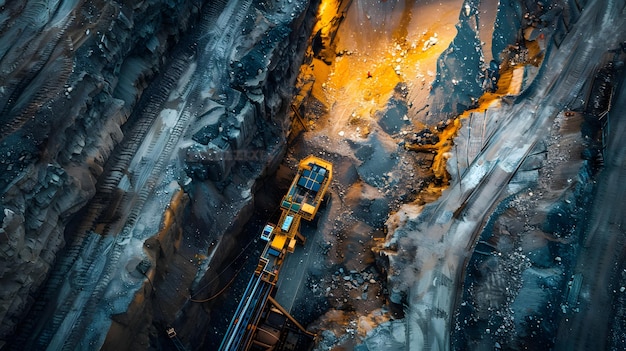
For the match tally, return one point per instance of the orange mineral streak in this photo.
(169, 217)
(443, 149)
(509, 83)
(359, 85)
(363, 76)
(326, 15)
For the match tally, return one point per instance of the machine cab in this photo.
(266, 234)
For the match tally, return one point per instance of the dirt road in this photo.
(448, 228)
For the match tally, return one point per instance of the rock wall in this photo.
(517, 246)
(460, 69)
(248, 119)
(112, 64)
(462, 73)
(72, 74)
(240, 138)
(134, 328)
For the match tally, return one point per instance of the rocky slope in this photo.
(109, 109)
(139, 136)
(522, 176)
(496, 262)
(72, 73)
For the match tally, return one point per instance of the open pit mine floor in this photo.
(356, 120)
(476, 200)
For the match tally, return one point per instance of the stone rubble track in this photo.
(84, 237)
(61, 318)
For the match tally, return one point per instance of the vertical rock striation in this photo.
(487, 265)
(460, 69)
(72, 72)
(147, 99)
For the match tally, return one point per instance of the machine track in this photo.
(44, 87)
(57, 287)
(62, 316)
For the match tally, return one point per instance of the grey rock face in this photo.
(522, 233)
(71, 75)
(459, 80)
(70, 145)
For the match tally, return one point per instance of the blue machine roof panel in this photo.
(302, 181)
(287, 223)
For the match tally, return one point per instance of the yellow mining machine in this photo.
(254, 324)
